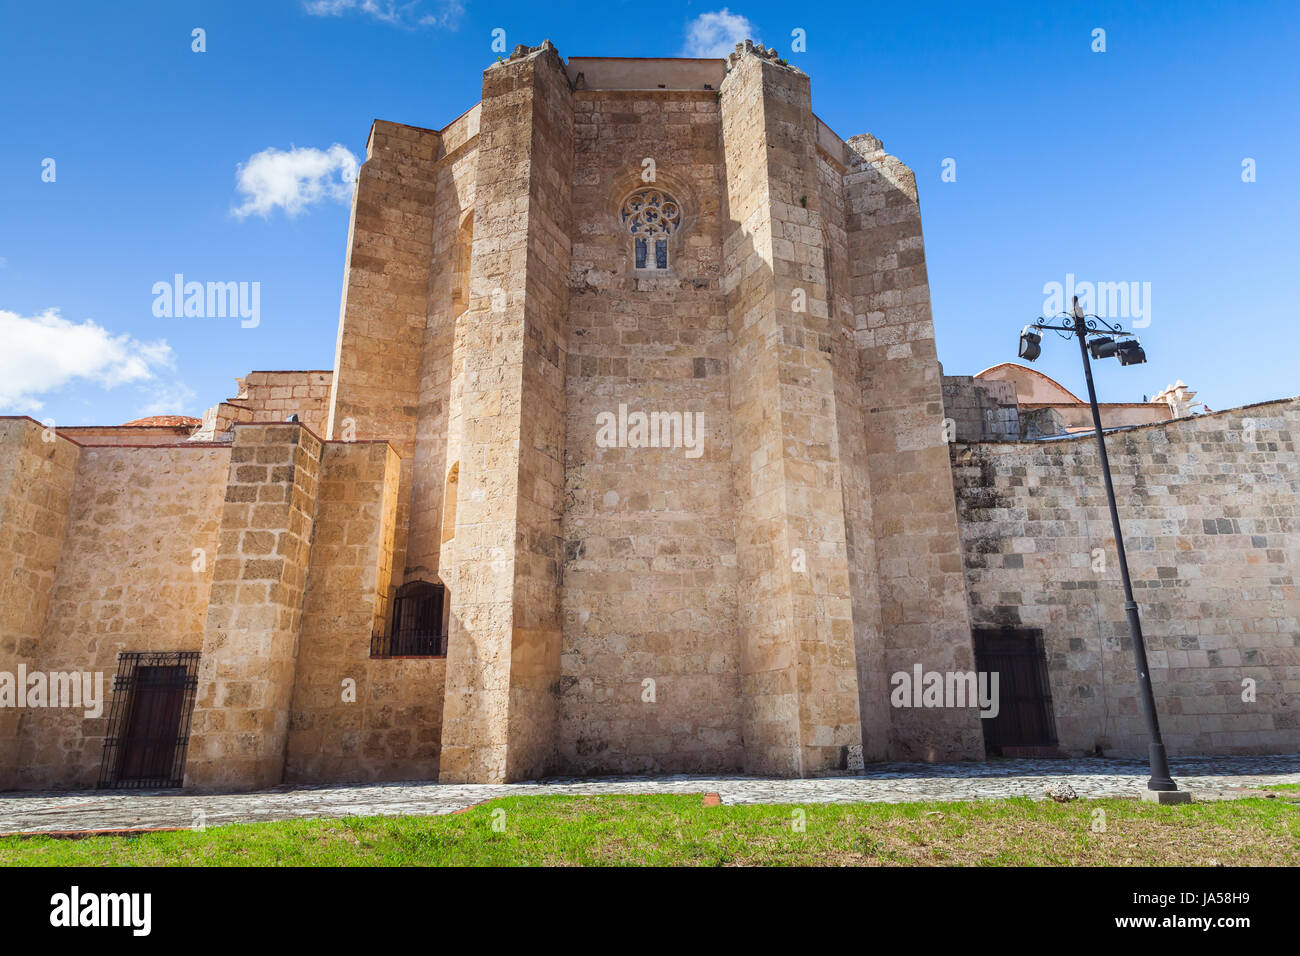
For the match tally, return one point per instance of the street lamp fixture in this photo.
(1103, 346)
(1103, 340)
(1130, 353)
(1030, 348)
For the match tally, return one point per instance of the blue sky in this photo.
(1117, 166)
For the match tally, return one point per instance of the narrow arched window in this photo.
(460, 265)
(449, 503)
(651, 216)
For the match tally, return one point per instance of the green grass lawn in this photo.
(680, 830)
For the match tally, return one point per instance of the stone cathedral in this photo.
(635, 457)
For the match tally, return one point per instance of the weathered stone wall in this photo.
(768, 587)
(36, 481)
(250, 638)
(380, 355)
(650, 563)
(355, 718)
(449, 328)
(128, 579)
(436, 446)
(798, 670)
(503, 664)
(923, 610)
(1211, 521)
(854, 471)
(982, 411)
(993, 409)
(274, 396)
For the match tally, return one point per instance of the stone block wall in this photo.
(271, 397)
(250, 640)
(355, 718)
(503, 665)
(1209, 509)
(441, 372)
(650, 561)
(981, 410)
(135, 562)
(798, 671)
(219, 419)
(380, 354)
(274, 396)
(855, 480)
(37, 473)
(923, 611)
(622, 609)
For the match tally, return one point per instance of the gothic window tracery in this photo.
(650, 216)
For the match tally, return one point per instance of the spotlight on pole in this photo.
(1030, 347)
(1102, 347)
(1100, 339)
(1130, 353)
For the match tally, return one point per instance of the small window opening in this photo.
(417, 626)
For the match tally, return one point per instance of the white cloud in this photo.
(166, 398)
(408, 15)
(45, 352)
(294, 179)
(716, 34)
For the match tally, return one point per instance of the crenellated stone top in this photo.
(868, 149)
(522, 50)
(750, 48)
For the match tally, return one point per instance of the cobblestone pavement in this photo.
(1208, 778)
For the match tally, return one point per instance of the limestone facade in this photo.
(636, 376)
(1212, 531)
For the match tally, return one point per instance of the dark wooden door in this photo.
(1025, 716)
(154, 725)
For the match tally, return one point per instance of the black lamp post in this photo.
(1106, 341)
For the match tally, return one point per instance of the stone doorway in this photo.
(1025, 725)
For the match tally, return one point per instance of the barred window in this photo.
(650, 216)
(417, 627)
(149, 721)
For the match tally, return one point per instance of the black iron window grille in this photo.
(417, 629)
(149, 719)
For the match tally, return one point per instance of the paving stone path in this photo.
(1208, 778)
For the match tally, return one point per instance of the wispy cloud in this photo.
(411, 15)
(44, 352)
(165, 398)
(716, 34)
(294, 179)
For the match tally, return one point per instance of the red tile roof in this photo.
(165, 421)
